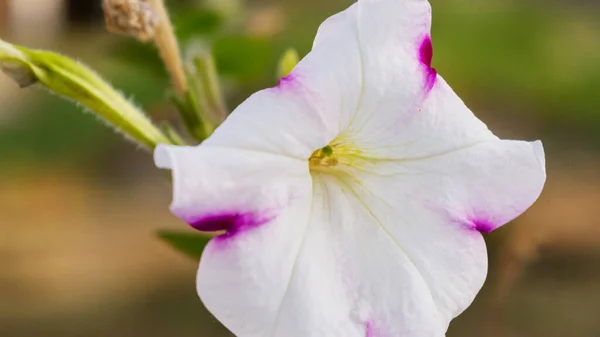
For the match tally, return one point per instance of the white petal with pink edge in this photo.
(353, 194)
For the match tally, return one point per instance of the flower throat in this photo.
(331, 157)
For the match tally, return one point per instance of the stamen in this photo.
(338, 152)
(327, 151)
(323, 157)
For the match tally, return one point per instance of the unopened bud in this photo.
(73, 80)
(287, 62)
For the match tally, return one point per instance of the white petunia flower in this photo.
(354, 193)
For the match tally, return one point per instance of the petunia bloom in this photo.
(353, 195)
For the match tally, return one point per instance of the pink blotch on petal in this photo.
(286, 80)
(426, 51)
(371, 330)
(232, 223)
(290, 82)
(426, 56)
(479, 222)
(483, 225)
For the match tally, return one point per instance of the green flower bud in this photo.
(287, 62)
(73, 80)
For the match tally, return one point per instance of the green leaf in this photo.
(190, 244)
(75, 81)
(192, 110)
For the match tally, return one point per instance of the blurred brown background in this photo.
(79, 206)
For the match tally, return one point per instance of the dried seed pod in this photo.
(131, 17)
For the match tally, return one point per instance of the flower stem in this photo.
(167, 45)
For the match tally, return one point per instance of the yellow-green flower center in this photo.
(335, 155)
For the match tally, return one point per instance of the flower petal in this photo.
(436, 206)
(395, 59)
(370, 71)
(332, 274)
(441, 123)
(276, 121)
(384, 58)
(351, 278)
(386, 244)
(337, 273)
(365, 82)
(221, 189)
(306, 106)
(487, 185)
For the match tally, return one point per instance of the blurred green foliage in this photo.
(190, 23)
(248, 58)
(544, 57)
(509, 57)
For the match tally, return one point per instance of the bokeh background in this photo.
(79, 207)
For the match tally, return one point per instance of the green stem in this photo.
(206, 71)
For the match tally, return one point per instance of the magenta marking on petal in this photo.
(231, 222)
(370, 328)
(426, 51)
(290, 82)
(425, 57)
(483, 225)
(216, 222)
(284, 81)
(373, 330)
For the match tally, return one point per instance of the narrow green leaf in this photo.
(73, 80)
(210, 87)
(192, 109)
(190, 244)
